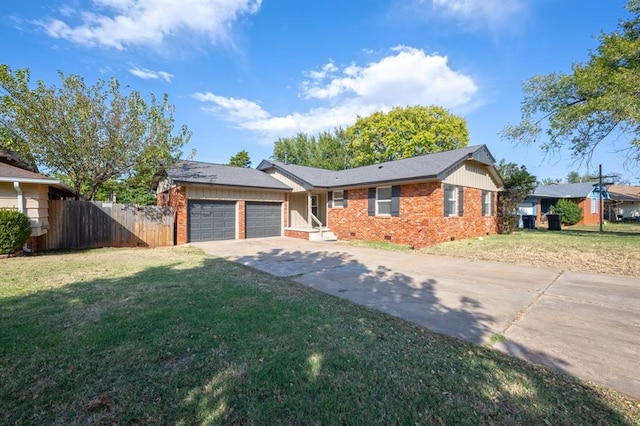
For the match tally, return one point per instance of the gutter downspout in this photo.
(16, 186)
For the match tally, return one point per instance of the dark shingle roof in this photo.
(565, 190)
(186, 171)
(430, 166)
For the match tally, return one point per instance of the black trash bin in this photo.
(528, 221)
(555, 222)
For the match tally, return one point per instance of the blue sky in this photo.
(242, 73)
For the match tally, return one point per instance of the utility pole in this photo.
(601, 183)
(600, 195)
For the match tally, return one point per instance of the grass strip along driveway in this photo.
(173, 336)
(616, 251)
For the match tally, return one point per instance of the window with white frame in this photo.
(338, 199)
(450, 200)
(594, 205)
(487, 203)
(383, 201)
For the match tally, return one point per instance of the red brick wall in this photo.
(240, 208)
(588, 218)
(176, 197)
(296, 234)
(421, 221)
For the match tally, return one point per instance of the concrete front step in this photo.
(323, 236)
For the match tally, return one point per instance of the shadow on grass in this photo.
(211, 342)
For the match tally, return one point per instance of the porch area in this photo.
(308, 218)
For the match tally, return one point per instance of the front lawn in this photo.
(615, 251)
(171, 336)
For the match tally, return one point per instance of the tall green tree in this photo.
(331, 151)
(575, 177)
(518, 184)
(326, 150)
(241, 159)
(599, 98)
(549, 181)
(403, 133)
(299, 149)
(92, 134)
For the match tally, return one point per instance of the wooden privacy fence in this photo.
(90, 224)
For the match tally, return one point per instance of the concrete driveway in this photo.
(586, 325)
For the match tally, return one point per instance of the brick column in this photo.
(241, 220)
(178, 200)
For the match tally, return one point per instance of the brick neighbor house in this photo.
(416, 201)
(586, 195)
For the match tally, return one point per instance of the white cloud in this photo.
(146, 74)
(494, 15)
(120, 24)
(407, 76)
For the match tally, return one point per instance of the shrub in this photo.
(15, 229)
(570, 211)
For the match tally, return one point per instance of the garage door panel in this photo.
(211, 220)
(263, 219)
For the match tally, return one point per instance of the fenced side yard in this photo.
(75, 224)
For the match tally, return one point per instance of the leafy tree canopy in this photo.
(403, 133)
(90, 134)
(518, 184)
(575, 177)
(400, 133)
(326, 150)
(597, 99)
(550, 181)
(241, 159)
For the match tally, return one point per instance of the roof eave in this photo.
(31, 180)
(227, 185)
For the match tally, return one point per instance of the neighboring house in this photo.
(585, 194)
(416, 201)
(625, 202)
(28, 192)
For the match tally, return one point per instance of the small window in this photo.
(487, 203)
(338, 199)
(594, 205)
(383, 201)
(450, 200)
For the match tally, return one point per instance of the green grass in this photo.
(614, 251)
(171, 336)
